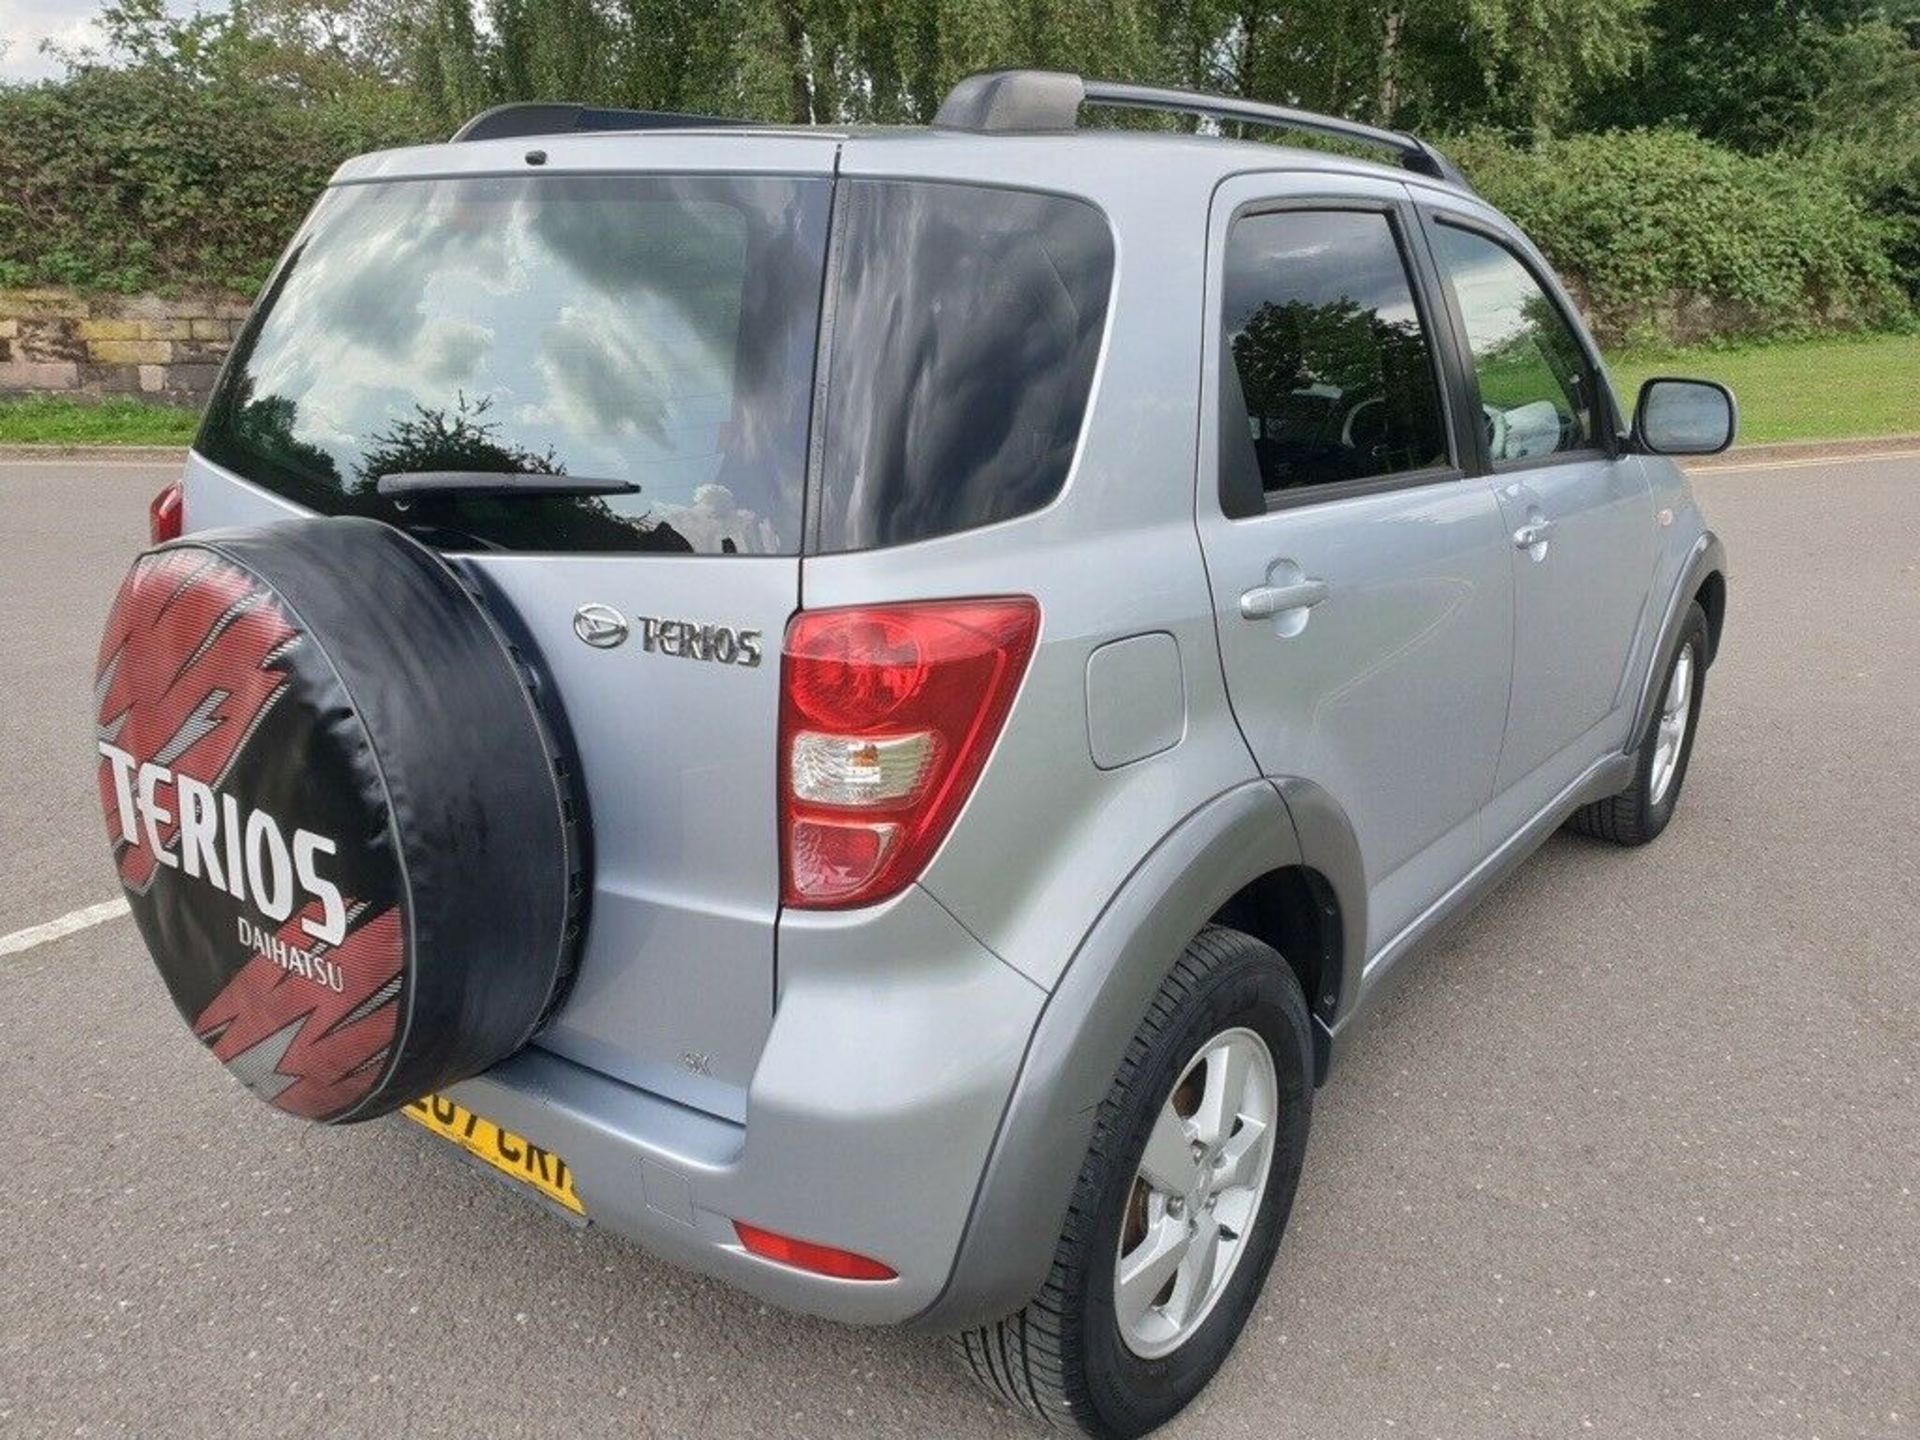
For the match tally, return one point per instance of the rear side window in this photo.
(1537, 389)
(1328, 375)
(965, 332)
(658, 331)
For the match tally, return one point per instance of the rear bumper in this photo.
(894, 1046)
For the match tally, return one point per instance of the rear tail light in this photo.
(166, 513)
(805, 1255)
(887, 714)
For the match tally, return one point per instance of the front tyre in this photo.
(1641, 811)
(1179, 1207)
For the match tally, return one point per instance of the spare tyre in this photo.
(337, 811)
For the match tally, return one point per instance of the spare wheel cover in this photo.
(336, 812)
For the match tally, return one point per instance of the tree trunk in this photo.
(796, 31)
(1388, 102)
(1249, 52)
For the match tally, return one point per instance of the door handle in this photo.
(1263, 602)
(1534, 532)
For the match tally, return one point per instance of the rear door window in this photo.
(966, 328)
(655, 330)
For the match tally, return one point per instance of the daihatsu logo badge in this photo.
(601, 626)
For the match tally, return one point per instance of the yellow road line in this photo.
(1806, 464)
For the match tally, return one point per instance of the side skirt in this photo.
(1606, 776)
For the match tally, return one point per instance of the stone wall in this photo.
(164, 350)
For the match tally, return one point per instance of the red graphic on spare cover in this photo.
(306, 1027)
(188, 668)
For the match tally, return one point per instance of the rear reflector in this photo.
(887, 714)
(805, 1255)
(166, 513)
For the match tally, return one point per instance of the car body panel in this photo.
(878, 1093)
(1089, 1019)
(915, 1081)
(1114, 556)
(1392, 692)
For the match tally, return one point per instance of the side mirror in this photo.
(1684, 417)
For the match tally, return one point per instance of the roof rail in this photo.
(1004, 102)
(544, 117)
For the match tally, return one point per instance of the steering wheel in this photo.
(1496, 427)
(1346, 427)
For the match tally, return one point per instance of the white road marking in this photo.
(81, 919)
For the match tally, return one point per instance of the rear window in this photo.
(965, 331)
(658, 331)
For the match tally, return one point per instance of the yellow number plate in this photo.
(502, 1149)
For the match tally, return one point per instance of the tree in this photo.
(1763, 74)
(462, 438)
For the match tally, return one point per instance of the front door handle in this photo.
(1263, 602)
(1534, 532)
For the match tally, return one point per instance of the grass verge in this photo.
(45, 420)
(1840, 389)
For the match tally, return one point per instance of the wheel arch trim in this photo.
(1329, 846)
(1707, 558)
(1082, 1035)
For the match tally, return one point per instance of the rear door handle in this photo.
(1263, 602)
(1534, 532)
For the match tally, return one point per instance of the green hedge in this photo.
(1671, 238)
(138, 179)
(129, 180)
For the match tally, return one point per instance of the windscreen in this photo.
(655, 331)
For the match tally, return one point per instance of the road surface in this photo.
(1634, 1151)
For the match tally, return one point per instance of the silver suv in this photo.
(865, 707)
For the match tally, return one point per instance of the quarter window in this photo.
(1328, 375)
(1537, 389)
(964, 342)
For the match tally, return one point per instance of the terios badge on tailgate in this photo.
(604, 627)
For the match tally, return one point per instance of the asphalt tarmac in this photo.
(1634, 1152)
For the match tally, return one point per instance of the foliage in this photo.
(1519, 62)
(1668, 236)
(1866, 131)
(1762, 75)
(186, 151)
(1800, 390)
(1428, 63)
(458, 439)
(189, 164)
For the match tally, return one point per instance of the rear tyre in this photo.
(1179, 1206)
(1641, 811)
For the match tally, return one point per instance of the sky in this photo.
(24, 24)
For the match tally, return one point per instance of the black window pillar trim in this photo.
(1450, 345)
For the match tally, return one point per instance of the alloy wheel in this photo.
(1196, 1194)
(1669, 738)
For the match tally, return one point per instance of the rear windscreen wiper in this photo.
(457, 484)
